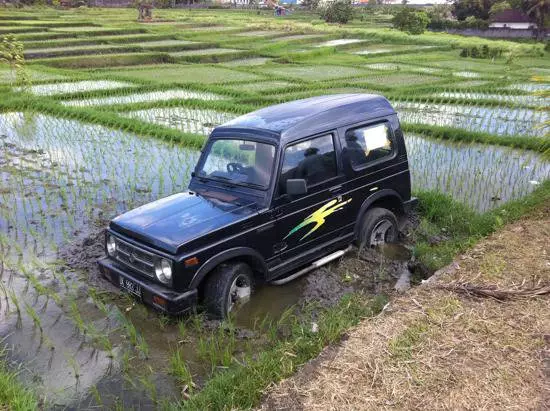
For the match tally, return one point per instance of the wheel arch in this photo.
(387, 198)
(244, 254)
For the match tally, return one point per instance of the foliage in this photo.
(499, 7)
(310, 4)
(11, 53)
(468, 23)
(476, 8)
(241, 387)
(337, 11)
(412, 22)
(538, 10)
(12, 395)
(461, 227)
(483, 52)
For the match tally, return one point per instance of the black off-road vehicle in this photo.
(275, 193)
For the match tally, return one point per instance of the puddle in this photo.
(204, 52)
(372, 51)
(384, 66)
(71, 50)
(76, 87)
(145, 97)
(54, 192)
(407, 67)
(259, 33)
(262, 86)
(298, 37)
(312, 73)
(198, 121)
(8, 76)
(339, 42)
(496, 120)
(530, 87)
(466, 74)
(521, 100)
(164, 43)
(480, 176)
(256, 61)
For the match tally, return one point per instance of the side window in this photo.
(313, 160)
(364, 145)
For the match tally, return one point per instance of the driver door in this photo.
(310, 220)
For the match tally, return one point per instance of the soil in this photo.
(366, 270)
(438, 348)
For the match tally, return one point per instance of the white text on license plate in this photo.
(130, 286)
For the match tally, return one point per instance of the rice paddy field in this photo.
(114, 114)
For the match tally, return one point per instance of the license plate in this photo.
(130, 286)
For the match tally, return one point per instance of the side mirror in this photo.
(296, 186)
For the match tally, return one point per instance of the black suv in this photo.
(275, 193)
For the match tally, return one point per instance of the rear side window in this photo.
(365, 145)
(313, 160)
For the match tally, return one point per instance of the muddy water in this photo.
(79, 340)
(60, 181)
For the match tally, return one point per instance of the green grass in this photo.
(181, 74)
(13, 396)
(461, 227)
(313, 73)
(241, 386)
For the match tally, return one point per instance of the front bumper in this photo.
(162, 298)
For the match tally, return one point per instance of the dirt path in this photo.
(438, 349)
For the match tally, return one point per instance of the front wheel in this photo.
(228, 287)
(379, 227)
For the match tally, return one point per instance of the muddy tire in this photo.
(379, 226)
(227, 287)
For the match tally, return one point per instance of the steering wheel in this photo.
(235, 168)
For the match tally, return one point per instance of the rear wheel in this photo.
(379, 227)
(228, 287)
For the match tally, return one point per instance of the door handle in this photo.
(335, 189)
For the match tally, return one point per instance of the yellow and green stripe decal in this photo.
(318, 217)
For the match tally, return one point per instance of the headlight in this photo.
(163, 270)
(111, 246)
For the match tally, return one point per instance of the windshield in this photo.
(238, 161)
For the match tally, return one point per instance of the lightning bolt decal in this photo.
(318, 217)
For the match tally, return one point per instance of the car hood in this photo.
(170, 222)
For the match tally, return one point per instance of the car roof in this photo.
(289, 121)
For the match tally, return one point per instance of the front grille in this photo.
(135, 258)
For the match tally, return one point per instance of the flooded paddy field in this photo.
(500, 120)
(152, 96)
(80, 342)
(79, 86)
(74, 333)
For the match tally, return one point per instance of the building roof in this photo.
(511, 16)
(313, 115)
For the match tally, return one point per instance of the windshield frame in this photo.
(245, 138)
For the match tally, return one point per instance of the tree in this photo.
(310, 4)
(539, 11)
(337, 11)
(412, 22)
(466, 8)
(499, 7)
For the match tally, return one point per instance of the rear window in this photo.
(365, 145)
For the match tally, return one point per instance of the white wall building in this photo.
(512, 19)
